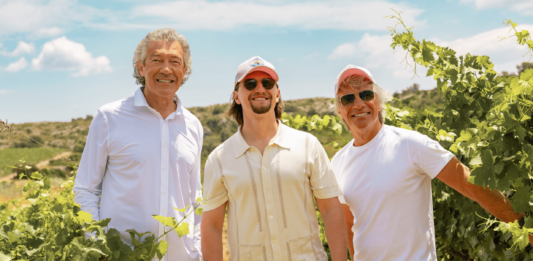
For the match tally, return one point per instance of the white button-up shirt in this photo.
(140, 165)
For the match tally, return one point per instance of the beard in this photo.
(262, 109)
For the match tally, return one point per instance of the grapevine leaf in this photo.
(166, 221)
(161, 249)
(182, 229)
(182, 210)
(521, 199)
(84, 217)
(199, 211)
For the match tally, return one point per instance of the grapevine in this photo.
(52, 227)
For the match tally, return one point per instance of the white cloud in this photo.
(22, 48)
(17, 66)
(505, 54)
(49, 32)
(521, 6)
(5, 92)
(374, 52)
(314, 15)
(65, 55)
(44, 17)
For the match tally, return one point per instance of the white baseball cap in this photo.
(255, 64)
(350, 70)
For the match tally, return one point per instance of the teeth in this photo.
(260, 99)
(361, 114)
(160, 80)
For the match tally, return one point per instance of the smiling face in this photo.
(163, 68)
(258, 100)
(361, 116)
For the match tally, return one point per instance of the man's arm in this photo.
(211, 228)
(88, 184)
(455, 175)
(348, 218)
(331, 212)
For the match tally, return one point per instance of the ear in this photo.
(236, 97)
(140, 67)
(278, 94)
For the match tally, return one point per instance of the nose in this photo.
(358, 103)
(165, 69)
(260, 87)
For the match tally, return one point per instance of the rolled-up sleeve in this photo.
(215, 192)
(88, 184)
(322, 179)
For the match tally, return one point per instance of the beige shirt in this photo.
(271, 212)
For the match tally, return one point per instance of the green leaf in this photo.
(84, 217)
(199, 211)
(36, 175)
(161, 249)
(166, 221)
(521, 199)
(182, 210)
(182, 229)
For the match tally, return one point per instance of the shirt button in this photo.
(264, 168)
(271, 217)
(164, 168)
(164, 192)
(274, 241)
(267, 192)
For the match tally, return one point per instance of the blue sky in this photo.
(63, 59)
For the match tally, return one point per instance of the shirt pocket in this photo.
(252, 252)
(301, 249)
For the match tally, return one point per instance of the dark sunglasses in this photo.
(250, 84)
(349, 99)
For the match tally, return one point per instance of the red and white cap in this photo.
(255, 64)
(350, 70)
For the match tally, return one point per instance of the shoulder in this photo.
(297, 135)
(405, 136)
(112, 107)
(340, 154)
(192, 119)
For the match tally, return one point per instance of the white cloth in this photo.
(141, 164)
(387, 185)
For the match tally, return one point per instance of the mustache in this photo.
(264, 94)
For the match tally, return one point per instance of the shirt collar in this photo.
(139, 100)
(240, 146)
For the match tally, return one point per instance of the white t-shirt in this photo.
(387, 185)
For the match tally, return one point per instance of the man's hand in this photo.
(211, 229)
(348, 218)
(331, 212)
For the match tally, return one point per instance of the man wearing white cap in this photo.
(267, 176)
(385, 175)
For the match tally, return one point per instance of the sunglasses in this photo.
(349, 99)
(250, 84)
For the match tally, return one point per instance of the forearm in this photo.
(455, 175)
(495, 203)
(211, 243)
(332, 215)
(211, 231)
(348, 218)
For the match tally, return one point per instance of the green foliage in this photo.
(52, 227)
(10, 156)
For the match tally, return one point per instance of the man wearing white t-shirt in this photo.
(385, 174)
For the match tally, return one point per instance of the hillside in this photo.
(71, 136)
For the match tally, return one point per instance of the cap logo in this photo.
(257, 62)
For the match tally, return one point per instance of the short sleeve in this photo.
(214, 191)
(428, 156)
(322, 179)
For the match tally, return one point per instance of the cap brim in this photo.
(352, 71)
(264, 69)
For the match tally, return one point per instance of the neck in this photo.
(363, 136)
(259, 130)
(163, 104)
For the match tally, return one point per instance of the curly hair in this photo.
(165, 34)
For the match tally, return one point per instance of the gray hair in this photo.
(168, 35)
(356, 81)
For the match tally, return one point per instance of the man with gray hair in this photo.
(142, 155)
(385, 175)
